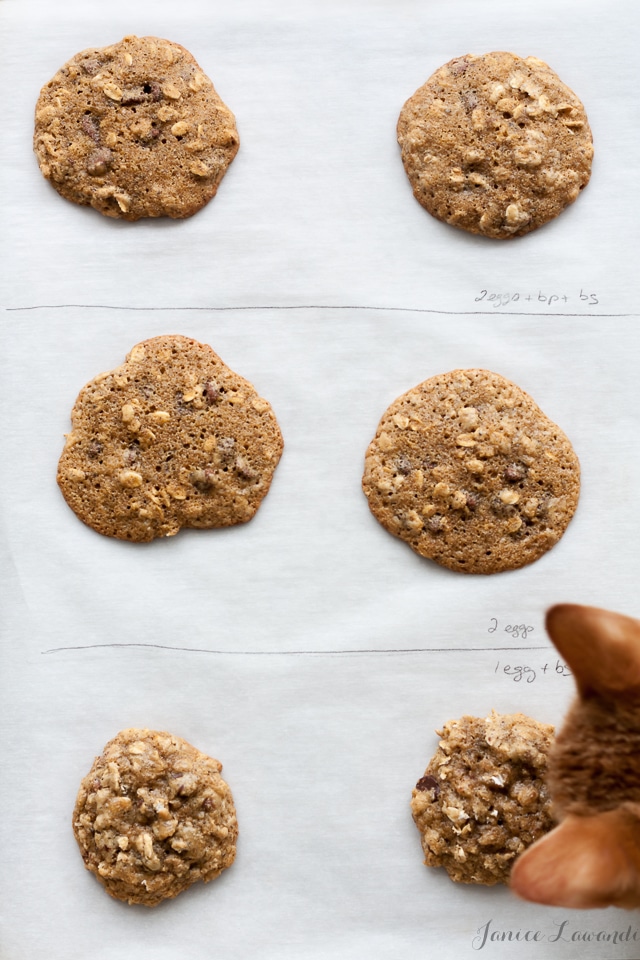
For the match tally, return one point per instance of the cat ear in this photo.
(586, 862)
(601, 648)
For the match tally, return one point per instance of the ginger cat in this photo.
(592, 859)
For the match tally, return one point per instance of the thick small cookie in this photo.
(135, 130)
(173, 438)
(469, 471)
(495, 144)
(482, 800)
(153, 816)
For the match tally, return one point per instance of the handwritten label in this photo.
(517, 630)
(566, 932)
(524, 673)
(543, 298)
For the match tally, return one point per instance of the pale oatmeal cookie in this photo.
(483, 800)
(173, 438)
(135, 130)
(495, 144)
(153, 816)
(468, 471)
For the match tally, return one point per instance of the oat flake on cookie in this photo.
(172, 438)
(495, 144)
(134, 130)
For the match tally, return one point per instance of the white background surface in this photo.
(310, 651)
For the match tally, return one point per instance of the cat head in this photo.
(592, 859)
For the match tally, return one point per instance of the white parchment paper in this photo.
(310, 651)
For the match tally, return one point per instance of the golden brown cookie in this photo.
(469, 471)
(153, 816)
(173, 438)
(135, 130)
(483, 799)
(495, 144)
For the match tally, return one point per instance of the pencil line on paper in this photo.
(290, 653)
(309, 306)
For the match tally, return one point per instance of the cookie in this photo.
(469, 471)
(153, 816)
(495, 144)
(173, 438)
(483, 800)
(134, 130)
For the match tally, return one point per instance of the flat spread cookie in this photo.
(153, 816)
(495, 144)
(469, 471)
(482, 800)
(173, 438)
(134, 130)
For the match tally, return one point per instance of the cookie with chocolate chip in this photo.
(468, 471)
(134, 130)
(483, 798)
(153, 816)
(172, 438)
(495, 144)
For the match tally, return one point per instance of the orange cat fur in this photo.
(592, 859)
